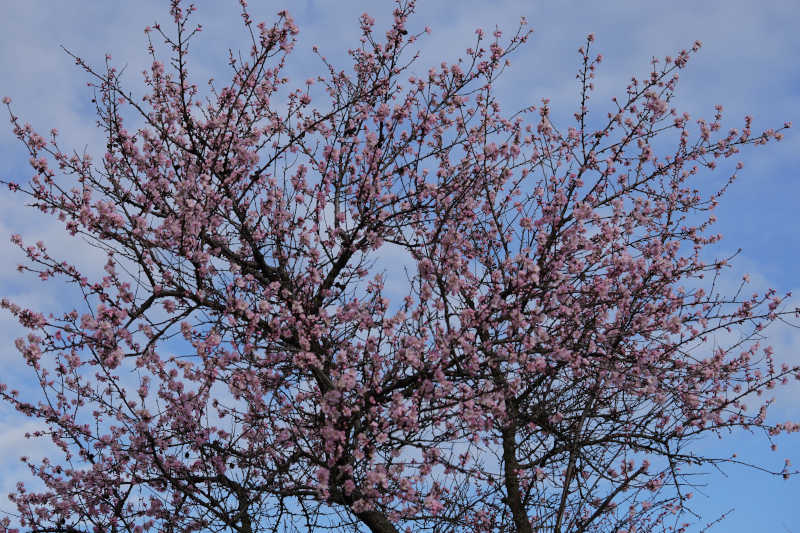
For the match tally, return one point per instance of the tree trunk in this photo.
(376, 522)
(513, 495)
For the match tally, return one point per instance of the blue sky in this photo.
(748, 64)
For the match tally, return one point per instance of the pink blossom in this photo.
(241, 347)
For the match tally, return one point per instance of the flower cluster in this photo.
(243, 368)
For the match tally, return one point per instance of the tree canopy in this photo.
(241, 365)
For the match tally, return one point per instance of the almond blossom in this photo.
(240, 365)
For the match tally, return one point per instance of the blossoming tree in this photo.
(240, 366)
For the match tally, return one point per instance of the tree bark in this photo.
(376, 522)
(513, 495)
